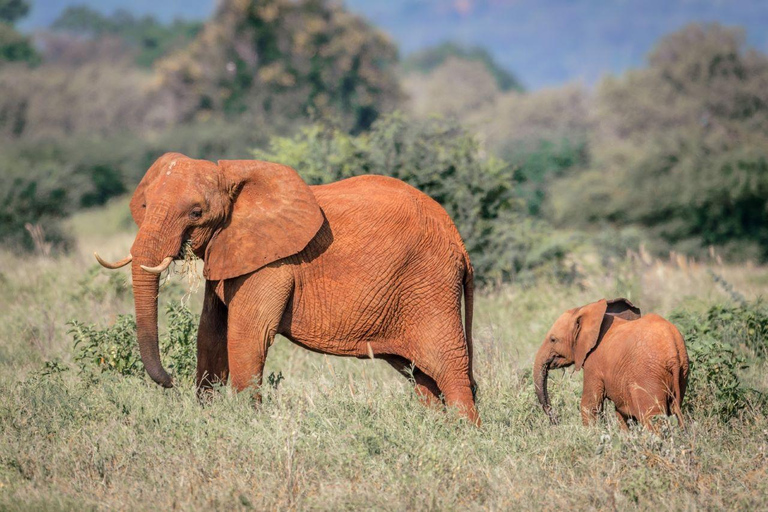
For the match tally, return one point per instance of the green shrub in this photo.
(713, 340)
(114, 349)
(444, 161)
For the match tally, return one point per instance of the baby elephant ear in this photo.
(622, 308)
(587, 322)
(274, 215)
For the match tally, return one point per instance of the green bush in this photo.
(114, 349)
(713, 340)
(536, 168)
(444, 161)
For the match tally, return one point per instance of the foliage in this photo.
(152, 38)
(14, 47)
(457, 89)
(13, 10)
(102, 95)
(282, 58)
(681, 146)
(428, 59)
(536, 168)
(115, 350)
(42, 182)
(543, 134)
(442, 160)
(713, 340)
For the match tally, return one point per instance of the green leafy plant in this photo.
(114, 349)
(713, 339)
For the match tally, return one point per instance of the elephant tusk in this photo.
(118, 264)
(159, 269)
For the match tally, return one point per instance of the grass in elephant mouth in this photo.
(185, 267)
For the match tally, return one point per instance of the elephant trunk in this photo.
(540, 373)
(145, 292)
(150, 247)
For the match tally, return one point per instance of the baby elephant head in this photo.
(571, 338)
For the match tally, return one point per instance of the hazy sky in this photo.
(544, 42)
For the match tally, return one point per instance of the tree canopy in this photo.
(681, 146)
(14, 46)
(424, 61)
(152, 38)
(285, 58)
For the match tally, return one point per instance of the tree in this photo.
(424, 61)
(14, 47)
(285, 59)
(13, 10)
(681, 146)
(152, 38)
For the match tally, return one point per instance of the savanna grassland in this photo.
(334, 433)
(562, 196)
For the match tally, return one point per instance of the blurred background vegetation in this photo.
(672, 154)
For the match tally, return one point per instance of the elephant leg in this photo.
(255, 310)
(212, 362)
(648, 402)
(426, 388)
(592, 398)
(443, 357)
(623, 421)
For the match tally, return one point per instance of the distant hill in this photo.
(543, 42)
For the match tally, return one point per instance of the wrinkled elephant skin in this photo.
(364, 267)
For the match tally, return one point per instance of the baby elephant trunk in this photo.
(540, 373)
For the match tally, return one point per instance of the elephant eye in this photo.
(552, 339)
(196, 213)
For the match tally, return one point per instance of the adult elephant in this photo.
(364, 267)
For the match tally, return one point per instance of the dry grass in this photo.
(349, 434)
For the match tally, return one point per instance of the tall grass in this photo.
(347, 434)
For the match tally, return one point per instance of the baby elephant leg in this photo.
(592, 399)
(648, 402)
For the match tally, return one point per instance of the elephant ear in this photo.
(622, 308)
(138, 201)
(274, 215)
(586, 330)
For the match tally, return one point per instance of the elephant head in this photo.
(237, 215)
(572, 337)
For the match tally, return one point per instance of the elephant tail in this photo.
(677, 398)
(469, 292)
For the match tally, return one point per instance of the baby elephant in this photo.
(638, 363)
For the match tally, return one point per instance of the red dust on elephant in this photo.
(364, 267)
